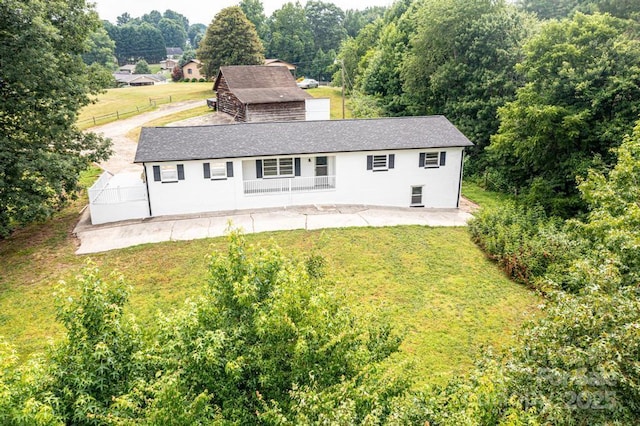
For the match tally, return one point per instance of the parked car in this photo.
(308, 83)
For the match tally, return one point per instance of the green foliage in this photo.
(558, 9)
(41, 150)
(461, 65)
(173, 32)
(523, 241)
(326, 21)
(100, 50)
(136, 41)
(142, 67)
(614, 211)
(570, 113)
(290, 36)
(254, 10)
(96, 362)
(231, 39)
(264, 331)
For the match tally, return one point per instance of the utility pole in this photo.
(342, 63)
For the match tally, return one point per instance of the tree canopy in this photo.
(231, 39)
(582, 95)
(43, 86)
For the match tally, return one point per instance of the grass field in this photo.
(128, 100)
(433, 283)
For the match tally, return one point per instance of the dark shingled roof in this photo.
(256, 84)
(157, 144)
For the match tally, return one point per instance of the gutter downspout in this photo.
(146, 183)
(460, 179)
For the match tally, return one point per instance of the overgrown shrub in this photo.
(524, 241)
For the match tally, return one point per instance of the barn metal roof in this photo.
(158, 144)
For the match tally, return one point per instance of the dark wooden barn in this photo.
(252, 93)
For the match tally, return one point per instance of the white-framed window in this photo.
(380, 162)
(277, 167)
(432, 160)
(168, 173)
(217, 170)
(416, 196)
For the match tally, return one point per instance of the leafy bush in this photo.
(524, 241)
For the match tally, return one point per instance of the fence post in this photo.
(117, 115)
(170, 99)
(150, 102)
(94, 121)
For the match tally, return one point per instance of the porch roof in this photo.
(158, 144)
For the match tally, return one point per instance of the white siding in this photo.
(318, 109)
(354, 184)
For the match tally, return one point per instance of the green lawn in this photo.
(433, 283)
(128, 101)
(335, 95)
(490, 199)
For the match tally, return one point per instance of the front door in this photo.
(322, 166)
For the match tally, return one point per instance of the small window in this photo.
(379, 162)
(416, 196)
(169, 173)
(218, 170)
(431, 159)
(189, 71)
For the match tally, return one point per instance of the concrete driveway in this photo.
(99, 238)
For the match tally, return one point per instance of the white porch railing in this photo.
(294, 184)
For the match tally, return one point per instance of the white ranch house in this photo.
(401, 162)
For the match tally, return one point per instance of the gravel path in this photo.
(124, 148)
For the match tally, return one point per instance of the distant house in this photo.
(192, 69)
(127, 69)
(253, 93)
(174, 52)
(280, 63)
(168, 64)
(125, 79)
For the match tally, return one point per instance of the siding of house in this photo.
(354, 184)
(229, 103)
(191, 70)
(283, 111)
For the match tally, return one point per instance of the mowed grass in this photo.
(433, 284)
(335, 94)
(128, 100)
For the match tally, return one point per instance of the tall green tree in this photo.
(291, 38)
(326, 21)
(231, 39)
(42, 87)
(196, 34)
(101, 50)
(582, 95)
(558, 9)
(254, 10)
(173, 33)
(461, 63)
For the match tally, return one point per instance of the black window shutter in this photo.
(296, 166)
(206, 168)
(259, 169)
(180, 171)
(422, 158)
(369, 162)
(156, 174)
(229, 168)
(392, 160)
(443, 158)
